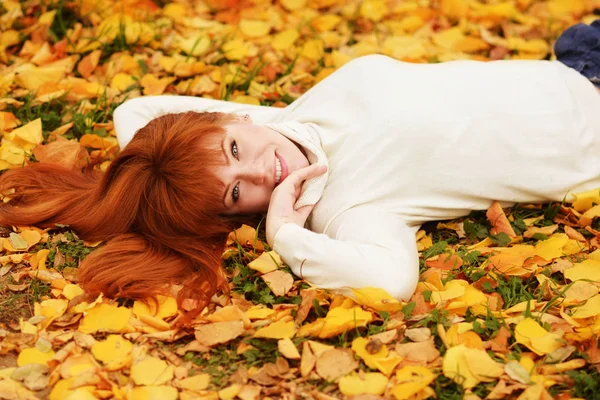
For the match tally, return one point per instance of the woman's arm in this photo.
(363, 247)
(136, 113)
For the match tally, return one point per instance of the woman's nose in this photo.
(255, 173)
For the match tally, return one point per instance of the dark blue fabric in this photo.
(579, 48)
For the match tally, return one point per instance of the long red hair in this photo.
(156, 206)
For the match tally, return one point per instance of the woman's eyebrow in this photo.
(228, 162)
(225, 154)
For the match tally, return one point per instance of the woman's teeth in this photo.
(278, 170)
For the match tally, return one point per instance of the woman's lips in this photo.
(284, 169)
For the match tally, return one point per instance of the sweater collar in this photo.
(307, 136)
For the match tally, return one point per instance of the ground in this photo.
(507, 304)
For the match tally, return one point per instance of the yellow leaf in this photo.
(235, 49)
(288, 349)
(552, 247)
(254, 28)
(31, 79)
(374, 10)
(292, 5)
(593, 212)
(154, 86)
(560, 8)
(243, 99)
(105, 318)
(454, 8)
(448, 38)
(370, 383)
(377, 299)
(591, 308)
(266, 262)
(529, 46)
(9, 37)
(153, 393)
(167, 307)
(313, 49)
(411, 380)
(529, 333)
(285, 39)
(456, 366)
(587, 269)
(52, 308)
(70, 291)
(31, 355)
(453, 289)
(481, 364)
(324, 23)
(259, 312)
(31, 132)
(151, 371)
(112, 351)
(175, 10)
(585, 200)
(230, 392)
(277, 330)
(340, 320)
(122, 81)
(195, 45)
(369, 351)
(195, 383)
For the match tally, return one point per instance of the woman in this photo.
(362, 160)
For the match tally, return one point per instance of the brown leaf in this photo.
(194, 345)
(17, 288)
(307, 302)
(262, 377)
(573, 234)
(419, 352)
(249, 392)
(308, 360)
(280, 282)
(335, 363)
(385, 337)
(219, 332)
(67, 153)
(418, 334)
(498, 219)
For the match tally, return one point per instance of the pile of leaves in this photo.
(508, 302)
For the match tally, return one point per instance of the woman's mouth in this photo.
(281, 169)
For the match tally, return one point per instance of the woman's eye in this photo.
(234, 150)
(235, 193)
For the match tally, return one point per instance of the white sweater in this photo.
(409, 143)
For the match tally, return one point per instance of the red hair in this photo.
(157, 207)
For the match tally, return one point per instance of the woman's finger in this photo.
(301, 175)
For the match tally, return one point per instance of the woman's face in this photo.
(252, 157)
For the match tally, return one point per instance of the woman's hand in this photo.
(281, 207)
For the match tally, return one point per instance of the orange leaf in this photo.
(498, 219)
(445, 262)
(88, 64)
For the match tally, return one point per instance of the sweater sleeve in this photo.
(362, 247)
(134, 114)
